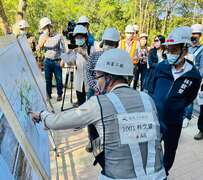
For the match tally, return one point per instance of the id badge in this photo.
(136, 127)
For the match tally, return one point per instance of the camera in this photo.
(68, 33)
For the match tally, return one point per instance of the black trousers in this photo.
(200, 118)
(141, 69)
(171, 139)
(81, 96)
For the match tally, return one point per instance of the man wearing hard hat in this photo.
(15, 27)
(110, 40)
(53, 45)
(176, 84)
(196, 55)
(23, 31)
(84, 21)
(130, 43)
(23, 27)
(128, 142)
(79, 57)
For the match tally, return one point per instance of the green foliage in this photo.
(148, 14)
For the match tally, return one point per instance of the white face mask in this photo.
(173, 58)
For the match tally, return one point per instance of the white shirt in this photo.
(159, 55)
(177, 73)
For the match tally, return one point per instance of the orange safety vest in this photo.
(132, 50)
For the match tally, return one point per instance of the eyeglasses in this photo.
(98, 77)
(156, 40)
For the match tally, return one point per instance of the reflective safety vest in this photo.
(192, 56)
(132, 50)
(131, 141)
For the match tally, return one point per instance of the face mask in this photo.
(194, 40)
(80, 42)
(172, 58)
(106, 47)
(103, 90)
(46, 32)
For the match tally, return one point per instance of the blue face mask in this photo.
(104, 90)
(173, 59)
(80, 42)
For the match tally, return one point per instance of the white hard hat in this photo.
(111, 34)
(143, 35)
(83, 19)
(136, 27)
(116, 62)
(197, 28)
(129, 29)
(180, 35)
(79, 29)
(23, 24)
(44, 22)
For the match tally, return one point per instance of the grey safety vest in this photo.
(135, 161)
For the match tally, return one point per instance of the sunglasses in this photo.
(98, 77)
(156, 40)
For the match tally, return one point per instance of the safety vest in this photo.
(192, 56)
(131, 149)
(132, 50)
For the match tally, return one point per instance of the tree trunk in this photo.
(134, 14)
(140, 21)
(149, 24)
(4, 20)
(145, 10)
(22, 6)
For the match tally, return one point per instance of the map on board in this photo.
(32, 62)
(23, 94)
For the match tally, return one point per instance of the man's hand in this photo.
(62, 64)
(96, 92)
(135, 61)
(42, 42)
(35, 116)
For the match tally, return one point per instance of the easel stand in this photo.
(68, 73)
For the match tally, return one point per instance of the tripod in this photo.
(69, 72)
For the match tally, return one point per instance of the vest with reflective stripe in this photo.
(119, 164)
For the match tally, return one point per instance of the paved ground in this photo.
(74, 163)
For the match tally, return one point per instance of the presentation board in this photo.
(13, 162)
(20, 91)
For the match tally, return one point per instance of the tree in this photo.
(4, 20)
(153, 16)
(22, 6)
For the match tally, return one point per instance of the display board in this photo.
(19, 92)
(28, 55)
(13, 162)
